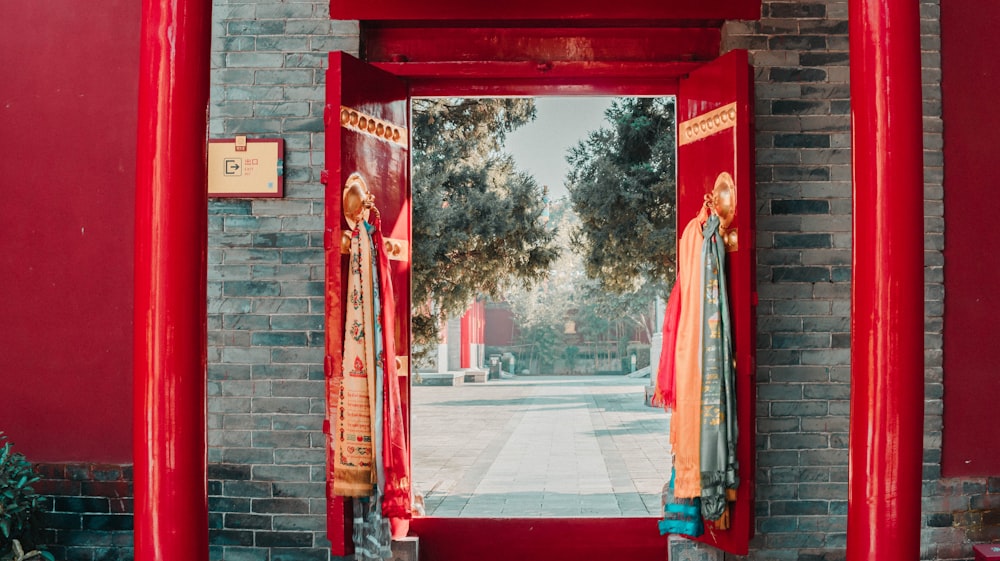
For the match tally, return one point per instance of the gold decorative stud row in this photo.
(366, 124)
(707, 124)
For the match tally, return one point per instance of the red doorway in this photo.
(891, 267)
(705, 90)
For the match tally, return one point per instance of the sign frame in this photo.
(242, 167)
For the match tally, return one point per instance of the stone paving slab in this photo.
(534, 446)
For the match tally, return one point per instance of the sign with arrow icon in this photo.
(246, 167)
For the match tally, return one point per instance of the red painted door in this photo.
(367, 133)
(715, 137)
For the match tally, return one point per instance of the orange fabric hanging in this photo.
(685, 423)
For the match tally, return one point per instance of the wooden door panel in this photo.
(367, 132)
(714, 136)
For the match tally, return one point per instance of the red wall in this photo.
(500, 330)
(68, 88)
(971, 80)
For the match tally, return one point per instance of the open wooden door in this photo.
(367, 132)
(715, 137)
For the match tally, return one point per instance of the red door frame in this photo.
(454, 538)
(587, 11)
(496, 59)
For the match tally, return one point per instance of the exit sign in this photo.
(246, 167)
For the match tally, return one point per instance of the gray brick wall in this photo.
(265, 288)
(265, 285)
(800, 55)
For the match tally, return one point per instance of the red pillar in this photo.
(887, 368)
(169, 446)
(465, 358)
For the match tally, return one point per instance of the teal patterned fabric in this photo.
(372, 533)
(680, 516)
(718, 402)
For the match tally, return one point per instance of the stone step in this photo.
(406, 549)
(476, 376)
(439, 378)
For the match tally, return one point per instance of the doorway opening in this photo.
(533, 401)
(714, 140)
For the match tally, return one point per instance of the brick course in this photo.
(87, 511)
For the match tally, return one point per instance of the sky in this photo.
(540, 147)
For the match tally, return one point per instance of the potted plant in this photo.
(18, 505)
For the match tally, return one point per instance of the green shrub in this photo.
(18, 504)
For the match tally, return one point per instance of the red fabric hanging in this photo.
(397, 495)
(665, 395)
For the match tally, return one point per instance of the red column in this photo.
(169, 447)
(886, 434)
(465, 359)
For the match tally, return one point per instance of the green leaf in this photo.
(5, 527)
(48, 555)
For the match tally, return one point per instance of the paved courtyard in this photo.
(534, 446)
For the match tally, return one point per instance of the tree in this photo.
(478, 227)
(542, 309)
(622, 187)
(620, 313)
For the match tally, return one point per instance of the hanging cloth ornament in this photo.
(718, 410)
(685, 434)
(370, 459)
(680, 516)
(397, 495)
(664, 394)
(354, 466)
(370, 441)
